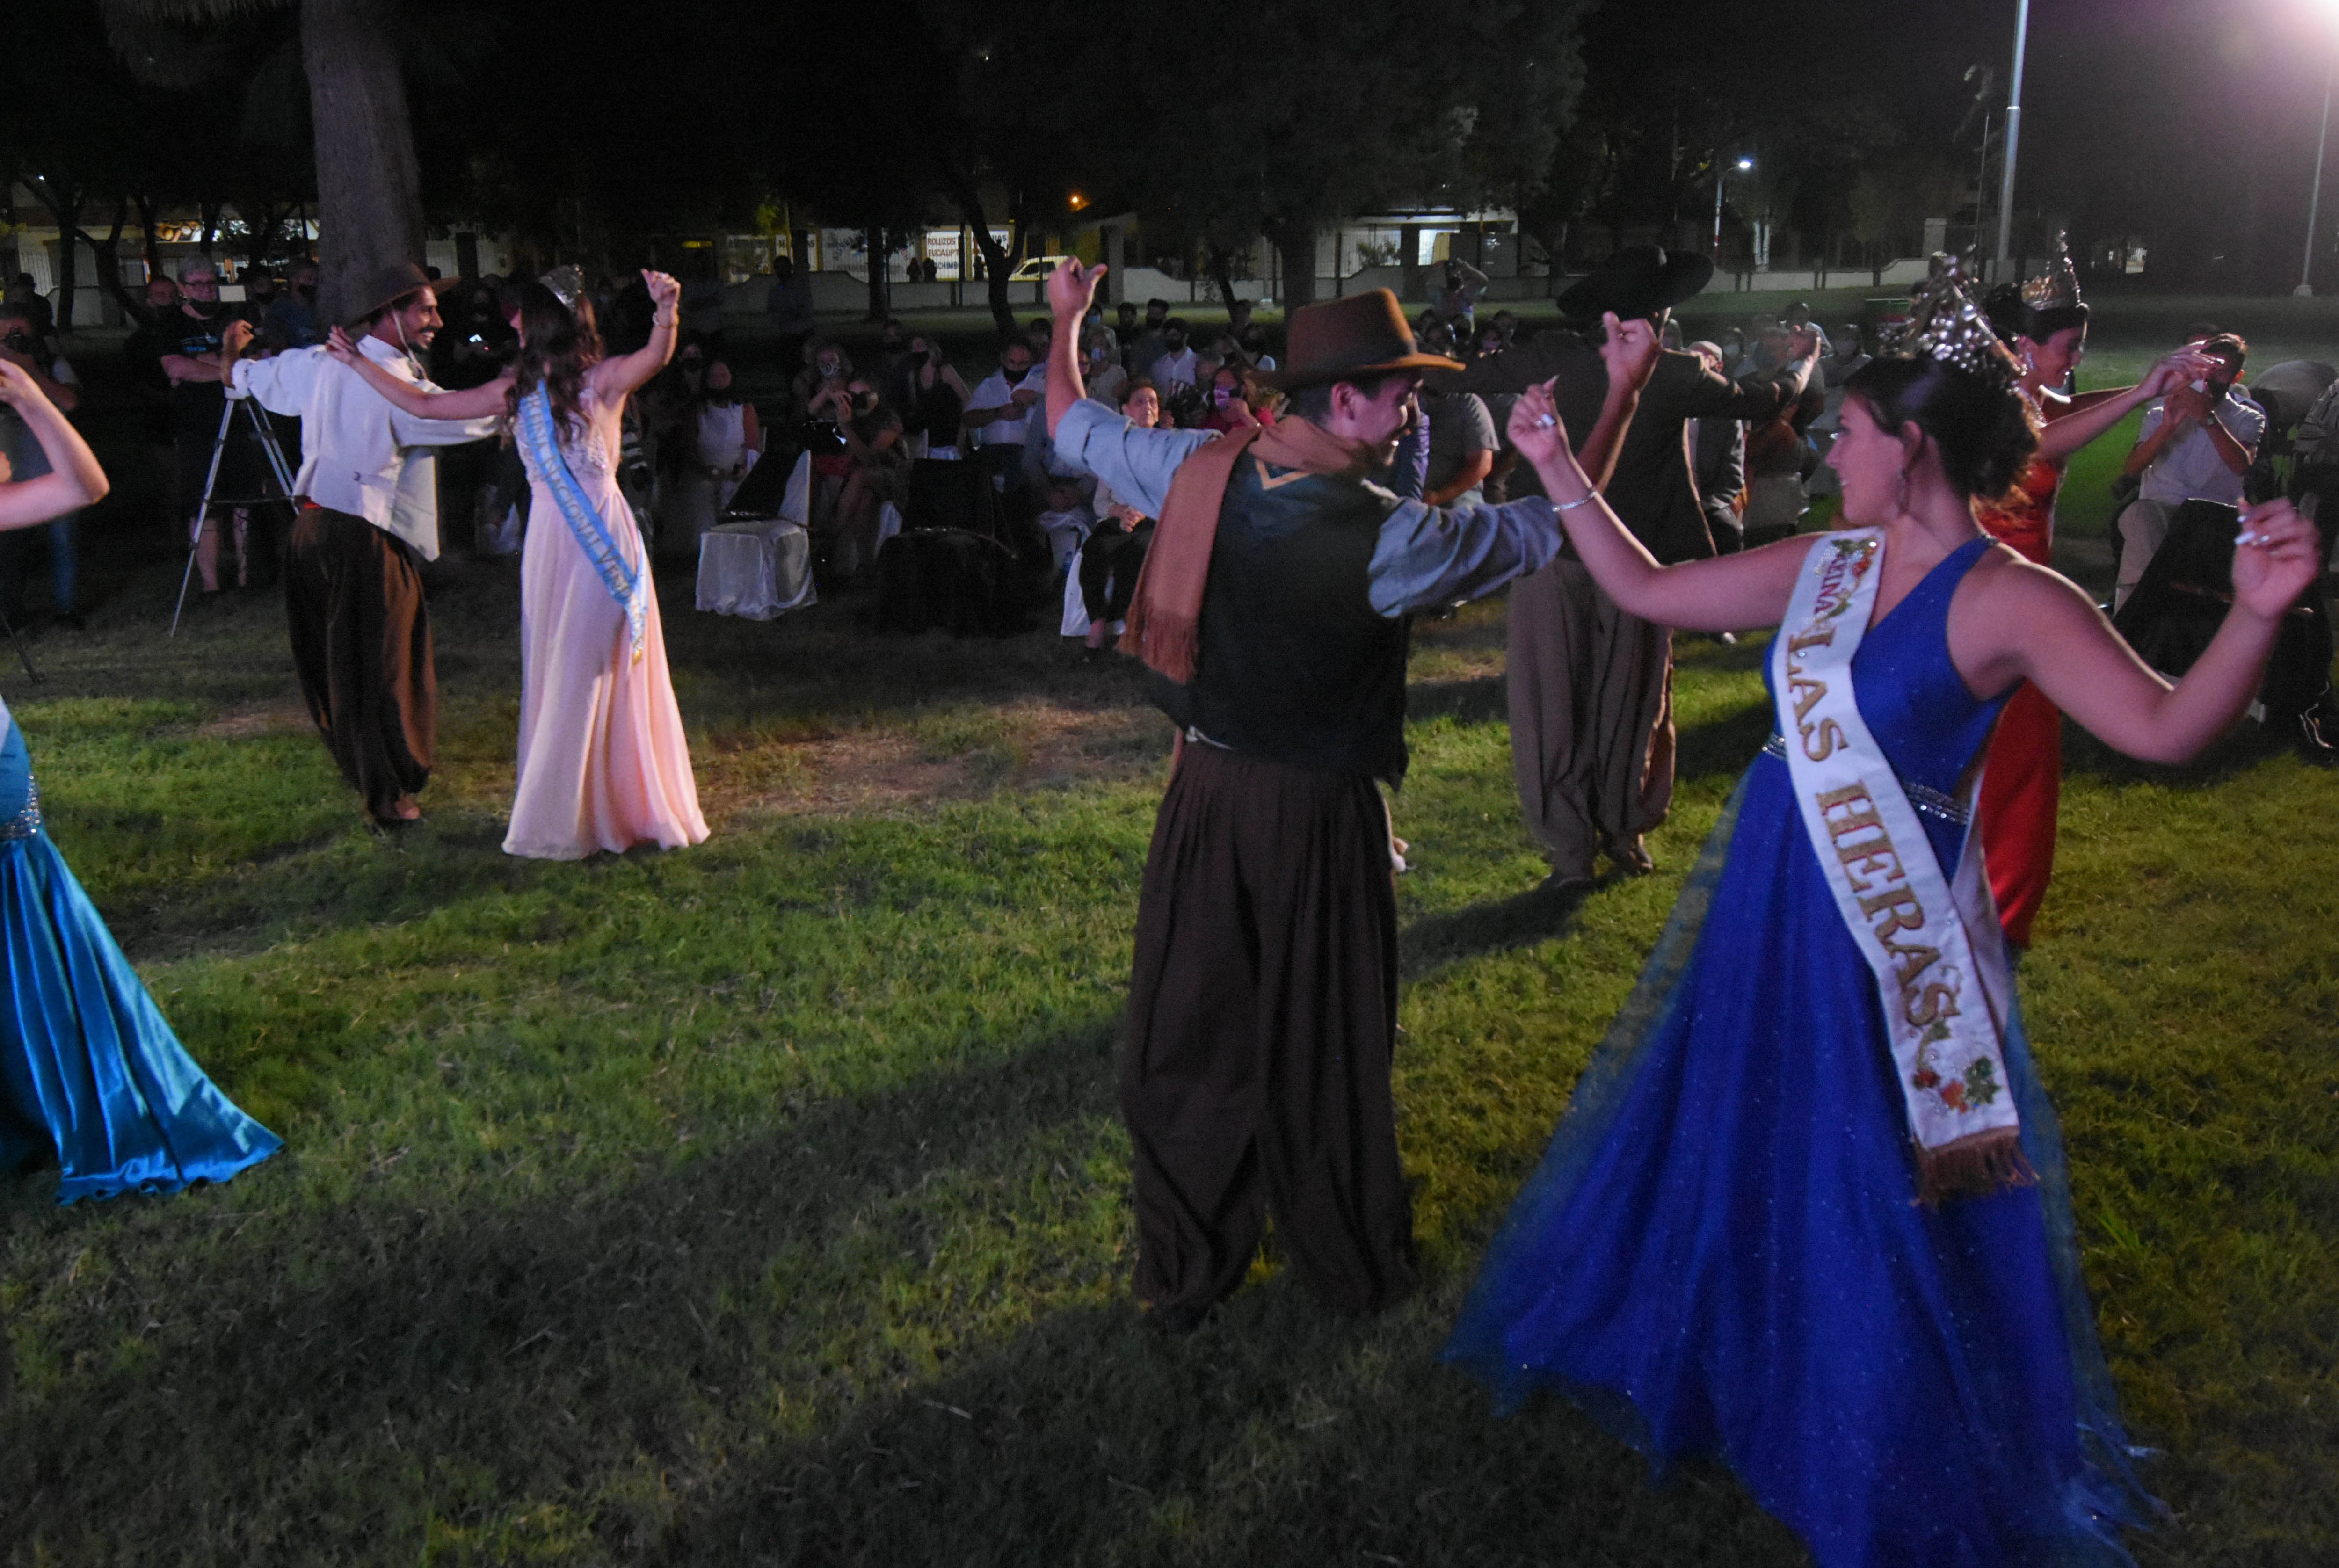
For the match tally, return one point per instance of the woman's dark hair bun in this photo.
(1985, 433)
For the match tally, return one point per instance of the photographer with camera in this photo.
(936, 403)
(190, 341)
(1455, 296)
(21, 346)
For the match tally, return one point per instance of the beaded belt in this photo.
(25, 822)
(1932, 802)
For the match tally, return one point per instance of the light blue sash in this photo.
(537, 428)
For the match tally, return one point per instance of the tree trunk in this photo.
(1221, 264)
(881, 254)
(65, 208)
(369, 191)
(996, 262)
(1295, 243)
(149, 214)
(109, 261)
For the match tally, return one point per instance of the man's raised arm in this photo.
(1136, 465)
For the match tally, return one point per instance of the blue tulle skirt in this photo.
(90, 1073)
(1723, 1255)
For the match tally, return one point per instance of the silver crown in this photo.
(2057, 288)
(1945, 324)
(566, 283)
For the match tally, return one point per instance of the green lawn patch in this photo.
(767, 1201)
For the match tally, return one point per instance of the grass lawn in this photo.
(765, 1202)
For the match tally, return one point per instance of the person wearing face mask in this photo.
(728, 439)
(1272, 614)
(292, 318)
(873, 443)
(1100, 366)
(359, 629)
(1150, 341)
(826, 367)
(935, 404)
(1177, 364)
(190, 357)
(1005, 412)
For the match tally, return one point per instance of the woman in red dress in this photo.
(2045, 323)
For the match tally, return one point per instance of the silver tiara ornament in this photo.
(2057, 287)
(1945, 325)
(567, 285)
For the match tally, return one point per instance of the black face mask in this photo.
(307, 291)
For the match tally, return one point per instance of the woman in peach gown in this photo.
(603, 761)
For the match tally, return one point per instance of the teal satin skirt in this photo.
(90, 1074)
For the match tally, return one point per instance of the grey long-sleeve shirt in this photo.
(1425, 557)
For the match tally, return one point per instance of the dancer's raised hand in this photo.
(338, 345)
(1071, 286)
(664, 287)
(1630, 350)
(2181, 369)
(1534, 426)
(2275, 556)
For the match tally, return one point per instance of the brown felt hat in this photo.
(393, 283)
(1363, 335)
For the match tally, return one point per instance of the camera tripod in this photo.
(264, 433)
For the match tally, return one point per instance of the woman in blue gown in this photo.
(90, 1073)
(1727, 1251)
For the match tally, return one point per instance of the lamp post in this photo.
(2013, 136)
(2305, 289)
(1718, 181)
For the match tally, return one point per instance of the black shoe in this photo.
(2311, 745)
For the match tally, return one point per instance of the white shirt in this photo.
(996, 391)
(1174, 370)
(2190, 465)
(355, 453)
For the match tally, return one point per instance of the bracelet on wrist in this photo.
(1585, 499)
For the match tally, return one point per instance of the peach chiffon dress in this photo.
(603, 762)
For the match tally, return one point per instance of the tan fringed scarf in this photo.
(1166, 612)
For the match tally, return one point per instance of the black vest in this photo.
(1292, 664)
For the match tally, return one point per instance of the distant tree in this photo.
(1350, 109)
(368, 185)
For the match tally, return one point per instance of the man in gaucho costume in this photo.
(360, 633)
(1590, 687)
(1273, 614)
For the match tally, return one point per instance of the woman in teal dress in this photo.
(90, 1076)
(1741, 1243)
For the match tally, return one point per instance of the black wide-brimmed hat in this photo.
(1343, 340)
(1636, 282)
(393, 283)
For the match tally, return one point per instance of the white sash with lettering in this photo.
(1937, 953)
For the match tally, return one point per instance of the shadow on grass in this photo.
(744, 1359)
(1437, 942)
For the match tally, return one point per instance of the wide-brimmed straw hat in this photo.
(1346, 339)
(393, 283)
(1636, 282)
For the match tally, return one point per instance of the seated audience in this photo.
(2195, 443)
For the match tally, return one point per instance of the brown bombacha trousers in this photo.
(361, 638)
(1262, 1019)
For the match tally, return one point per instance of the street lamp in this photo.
(1744, 165)
(2305, 289)
(2013, 137)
